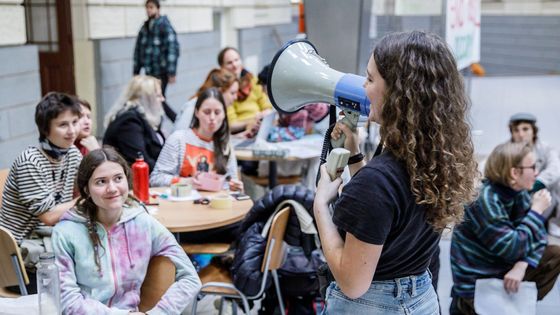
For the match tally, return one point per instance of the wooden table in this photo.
(186, 216)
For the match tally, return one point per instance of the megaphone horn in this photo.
(299, 76)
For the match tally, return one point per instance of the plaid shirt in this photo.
(157, 48)
(499, 230)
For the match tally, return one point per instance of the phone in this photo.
(240, 196)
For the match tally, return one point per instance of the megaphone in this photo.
(299, 76)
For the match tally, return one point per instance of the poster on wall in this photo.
(462, 30)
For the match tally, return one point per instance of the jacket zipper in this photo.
(112, 267)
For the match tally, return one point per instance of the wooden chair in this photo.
(12, 270)
(210, 248)
(3, 177)
(159, 277)
(216, 281)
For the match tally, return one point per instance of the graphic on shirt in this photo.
(196, 159)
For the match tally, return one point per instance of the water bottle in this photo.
(48, 285)
(141, 179)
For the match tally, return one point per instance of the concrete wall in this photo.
(495, 99)
(259, 45)
(20, 90)
(114, 68)
(520, 45)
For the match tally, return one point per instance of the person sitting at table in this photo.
(207, 139)
(103, 246)
(252, 103)
(222, 79)
(133, 123)
(85, 141)
(40, 184)
(503, 233)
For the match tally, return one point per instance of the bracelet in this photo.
(356, 158)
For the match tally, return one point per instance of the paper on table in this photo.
(193, 196)
(490, 297)
(309, 146)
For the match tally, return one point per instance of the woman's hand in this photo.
(327, 190)
(90, 143)
(541, 201)
(513, 278)
(352, 142)
(235, 185)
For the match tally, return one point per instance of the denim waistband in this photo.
(399, 286)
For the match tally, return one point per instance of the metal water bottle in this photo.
(141, 179)
(48, 285)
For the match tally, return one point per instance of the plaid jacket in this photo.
(157, 48)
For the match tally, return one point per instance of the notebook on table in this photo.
(266, 125)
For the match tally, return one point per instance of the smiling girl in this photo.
(40, 184)
(104, 245)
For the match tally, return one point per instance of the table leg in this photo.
(272, 174)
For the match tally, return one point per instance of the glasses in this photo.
(533, 167)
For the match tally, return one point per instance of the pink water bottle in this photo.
(141, 179)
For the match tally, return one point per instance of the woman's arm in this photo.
(351, 143)
(352, 262)
(168, 163)
(187, 283)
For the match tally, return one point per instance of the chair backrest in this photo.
(3, 177)
(159, 277)
(9, 247)
(276, 233)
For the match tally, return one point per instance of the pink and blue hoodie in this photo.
(124, 257)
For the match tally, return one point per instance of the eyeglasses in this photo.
(533, 167)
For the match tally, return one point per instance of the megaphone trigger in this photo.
(350, 119)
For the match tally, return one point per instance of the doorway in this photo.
(49, 26)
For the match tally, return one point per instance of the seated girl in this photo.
(40, 185)
(134, 122)
(222, 79)
(103, 246)
(503, 234)
(204, 146)
(85, 141)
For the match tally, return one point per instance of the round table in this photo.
(186, 216)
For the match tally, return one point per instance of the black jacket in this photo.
(246, 268)
(130, 133)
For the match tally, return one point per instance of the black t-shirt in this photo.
(377, 207)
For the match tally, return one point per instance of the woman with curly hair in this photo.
(387, 222)
(103, 246)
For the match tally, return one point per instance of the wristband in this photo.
(356, 158)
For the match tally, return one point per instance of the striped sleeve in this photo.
(524, 240)
(169, 161)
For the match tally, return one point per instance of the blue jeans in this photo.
(408, 295)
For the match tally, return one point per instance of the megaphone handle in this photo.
(350, 119)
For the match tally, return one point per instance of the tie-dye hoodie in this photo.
(124, 256)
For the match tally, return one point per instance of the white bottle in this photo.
(48, 285)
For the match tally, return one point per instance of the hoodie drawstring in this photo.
(127, 246)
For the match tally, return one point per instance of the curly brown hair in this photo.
(423, 122)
